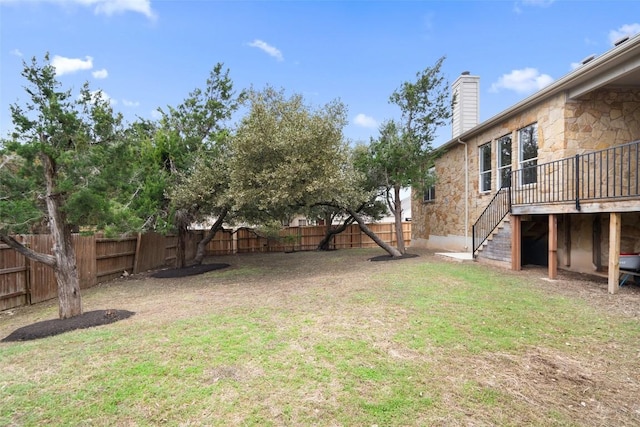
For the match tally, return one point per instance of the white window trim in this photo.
(484, 172)
(502, 167)
(431, 190)
(521, 162)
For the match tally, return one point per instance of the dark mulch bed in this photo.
(49, 328)
(187, 271)
(390, 258)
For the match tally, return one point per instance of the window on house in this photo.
(485, 167)
(302, 223)
(504, 161)
(430, 192)
(528, 139)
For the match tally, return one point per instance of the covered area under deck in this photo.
(600, 189)
(604, 231)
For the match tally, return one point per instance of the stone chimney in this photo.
(466, 110)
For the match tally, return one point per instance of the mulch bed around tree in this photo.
(49, 328)
(187, 271)
(390, 258)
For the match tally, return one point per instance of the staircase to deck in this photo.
(494, 214)
(497, 246)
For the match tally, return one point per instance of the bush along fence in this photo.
(99, 259)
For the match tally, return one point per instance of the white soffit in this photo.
(618, 75)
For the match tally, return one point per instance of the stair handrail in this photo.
(491, 217)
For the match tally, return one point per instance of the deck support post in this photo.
(553, 246)
(516, 242)
(614, 251)
(567, 240)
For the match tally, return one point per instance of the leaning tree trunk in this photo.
(330, 232)
(66, 271)
(202, 244)
(387, 247)
(397, 213)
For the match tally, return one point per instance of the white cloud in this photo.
(267, 48)
(105, 7)
(16, 52)
(100, 74)
(100, 94)
(110, 7)
(128, 103)
(517, 6)
(365, 121)
(526, 80)
(625, 30)
(71, 65)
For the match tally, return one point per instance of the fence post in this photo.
(577, 181)
(136, 256)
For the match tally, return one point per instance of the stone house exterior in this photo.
(552, 180)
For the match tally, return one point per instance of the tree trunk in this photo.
(181, 245)
(330, 232)
(397, 213)
(390, 249)
(66, 272)
(202, 244)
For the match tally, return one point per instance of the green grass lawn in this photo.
(331, 339)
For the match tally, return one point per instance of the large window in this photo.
(504, 161)
(528, 140)
(485, 167)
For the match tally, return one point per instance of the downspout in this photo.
(466, 195)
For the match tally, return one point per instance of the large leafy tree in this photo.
(290, 158)
(403, 152)
(286, 155)
(56, 171)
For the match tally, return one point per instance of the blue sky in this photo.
(146, 54)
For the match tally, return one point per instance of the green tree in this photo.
(359, 195)
(403, 153)
(286, 156)
(183, 149)
(203, 192)
(289, 158)
(56, 156)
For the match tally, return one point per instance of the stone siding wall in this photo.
(446, 215)
(599, 120)
(602, 119)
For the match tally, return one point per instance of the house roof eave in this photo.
(613, 64)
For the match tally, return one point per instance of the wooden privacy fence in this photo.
(99, 259)
(307, 238)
